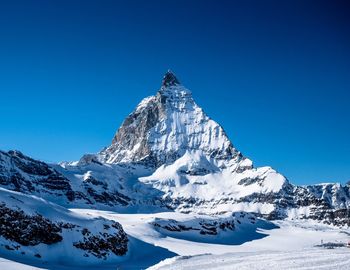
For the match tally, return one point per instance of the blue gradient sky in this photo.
(275, 74)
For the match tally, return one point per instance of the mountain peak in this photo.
(169, 79)
(165, 126)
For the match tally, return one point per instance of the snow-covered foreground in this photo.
(286, 236)
(12, 265)
(291, 244)
(303, 259)
(262, 245)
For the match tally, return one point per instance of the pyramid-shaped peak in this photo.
(169, 79)
(164, 126)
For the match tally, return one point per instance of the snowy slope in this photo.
(284, 245)
(246, 237)
(303, 259)
(37, 231)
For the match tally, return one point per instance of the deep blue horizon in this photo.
(274, 74)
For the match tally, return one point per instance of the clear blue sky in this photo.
(275, 74)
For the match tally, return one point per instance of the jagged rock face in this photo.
(21, 173)
(163, 127)
(328, 203)
(24, 174)
(169, 79)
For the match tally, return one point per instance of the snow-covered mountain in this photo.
(168, 154)
(164, 127)
(190, 159)
(171, 172)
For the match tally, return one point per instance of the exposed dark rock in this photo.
(109, 198)
(27, 230)
(203, 226)
(95, 182)
(169, 79)
(134, 132)
(101, 244)
(29, 165)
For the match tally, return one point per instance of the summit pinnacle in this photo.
(169, 79)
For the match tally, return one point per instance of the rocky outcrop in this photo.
(24, 174)
(236, 228)
(28, 230)
(28, 225)
(169, 79)
(202, 226)
(102, 243)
